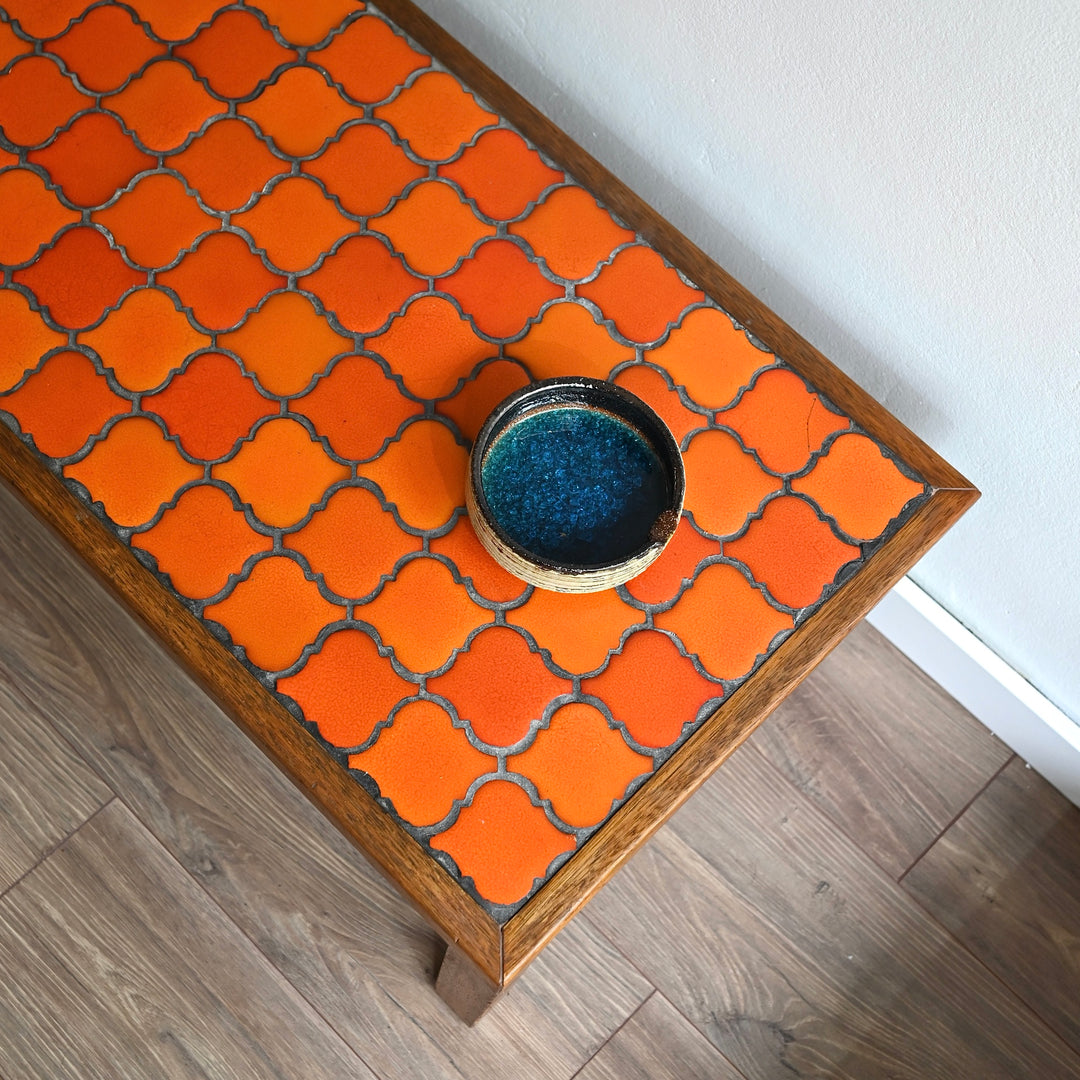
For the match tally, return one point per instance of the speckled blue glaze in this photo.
(574, 486)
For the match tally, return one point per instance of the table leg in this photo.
(464, 987)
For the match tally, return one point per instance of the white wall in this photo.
(899, 181)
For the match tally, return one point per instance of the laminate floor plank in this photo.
(46, 790)
(115, 964)
(658, 1043)
(290, 881)
(880, 748)
(798, 956)
(1005, 879)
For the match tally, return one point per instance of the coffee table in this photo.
(266, 270)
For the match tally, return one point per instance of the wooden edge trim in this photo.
(254, 709)
(570, 888)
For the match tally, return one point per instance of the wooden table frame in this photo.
(483, 956)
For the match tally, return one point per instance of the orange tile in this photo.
(502, 842)
(488, 578)
(422, 763)
(133, 471)
(423, 615)
(30, 215)
(724, 621)
(648, 384)
(26, 337)
(346, 688)
(294, 223)
(78, 277)
(8, 158)
(791, 551)
(580, 764)
(363, 283)
(173, 21)
(352, 542)
(568, 341)
(201, 541)
(44, 20)
(144, 339)
(422, 473)
(356, 407)
(64, 403)
(11, 45)
(299, 111)
(432, 227)
(227, 164)
(286, 343)
(724, 484)
(307, 23)
(274, 613)
(431, 347)
(640, 293)
(579, 630)
(709, 357)
(652, 688)
(500, 288)
(470, 406)
(858, 486)
(365, 169)
(499, 686)
(782, 420)
(210, 405)
(36, 98)
(571, 232)
(156, 220)
(281, 473)
(369, 59)
(92, 159)
(234, 53)
(501, 174)
(221, 280)
(105, 47)
(140, 105)
(675, 566)
(436, 115)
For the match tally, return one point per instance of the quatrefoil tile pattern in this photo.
(266, 268)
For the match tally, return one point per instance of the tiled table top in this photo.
(266, 270)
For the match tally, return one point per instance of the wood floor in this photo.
(873, 887)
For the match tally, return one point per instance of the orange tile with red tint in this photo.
(11, 45)
(235, 53)
(210, 406)
(579, 736)
(423, 615)
(652, 689)
(501, 174)
(858, 486)
(488, 578)
(30, 215)
(346, 688)
(133, 471)
(724, 621)
(502, 842)
(469, 407)
(675, 567)
(499, 686)
(568, 341)
(26, 338)
(274, 613)
(63, 403)
(422, 763)
(500, 288)
(640, 293)
(654, 389)
(105, 47)
(436, 116)
(36, 98)
(571, 232)
(173, 21)
(44, 20)
(369, 60)
(307, 23)
(201, 541)
(353, 542)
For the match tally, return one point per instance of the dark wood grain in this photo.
(881, 749)
(798, 956)
(1005, 879)
(116, 964)
(296, 887)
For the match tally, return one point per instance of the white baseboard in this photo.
(1035, 728)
